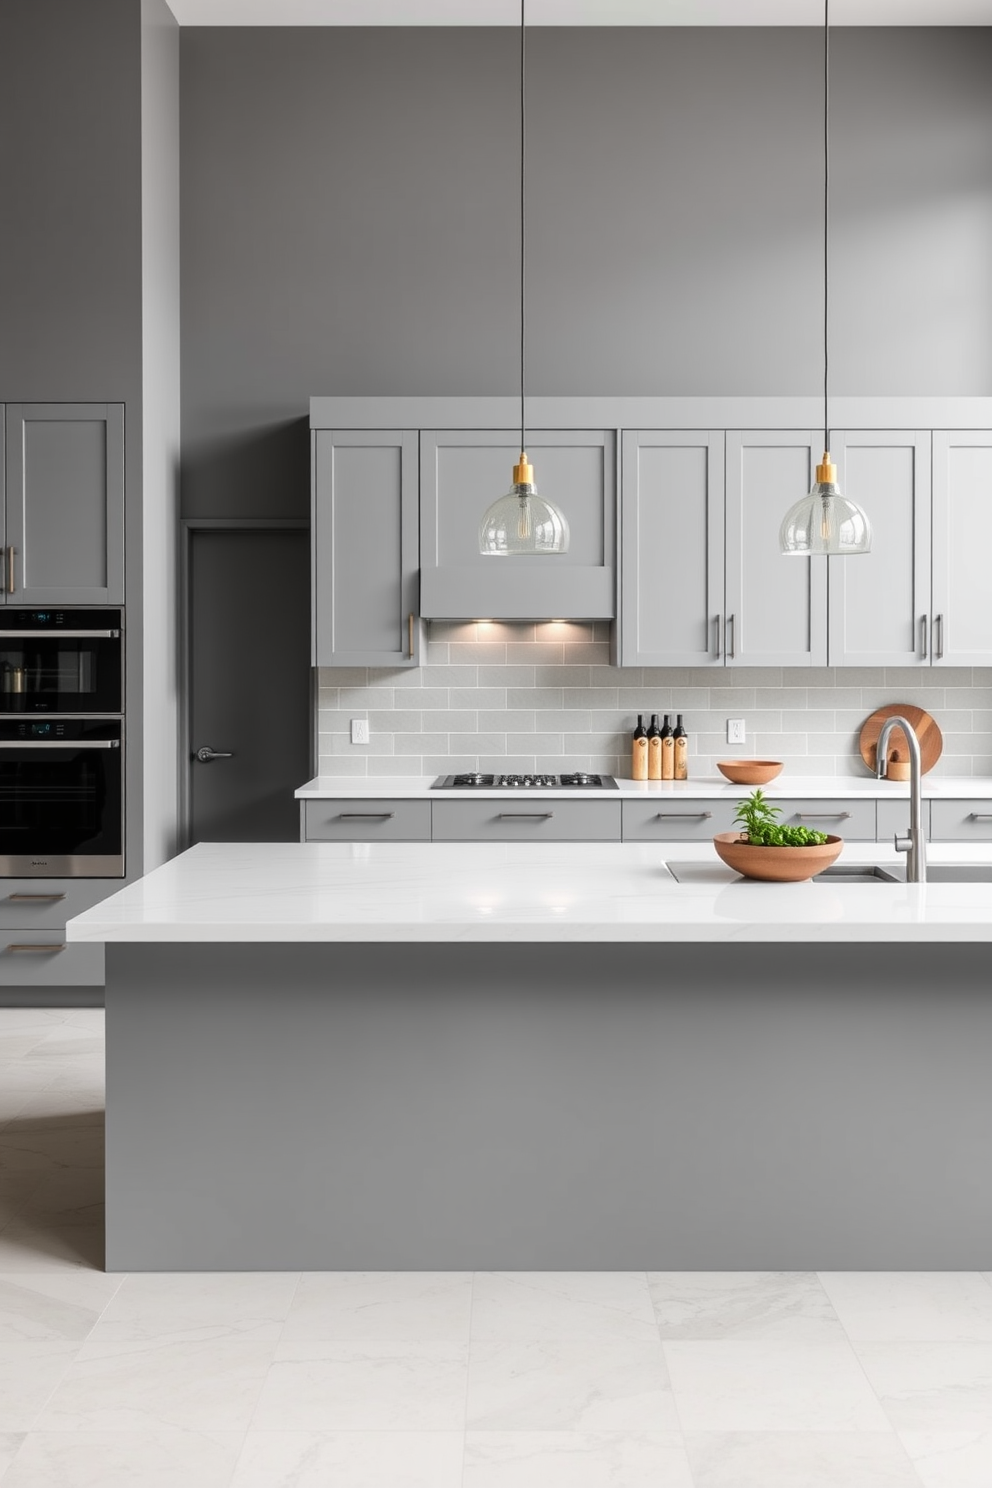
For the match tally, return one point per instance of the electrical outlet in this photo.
(359, 731)
(735, 731)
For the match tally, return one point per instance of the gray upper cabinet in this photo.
(64, 503)
(672, 525)
(880, 601)
(962, 535)
(364, 546)
(462, 471)
(776, 607)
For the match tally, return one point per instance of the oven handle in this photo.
(60, 743)
(70, 635)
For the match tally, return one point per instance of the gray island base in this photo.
(340, 1106)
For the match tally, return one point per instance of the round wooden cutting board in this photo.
(924, 726)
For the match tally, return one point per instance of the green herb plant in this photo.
(756, 815)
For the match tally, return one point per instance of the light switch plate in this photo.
(735, 731)
(359, 731)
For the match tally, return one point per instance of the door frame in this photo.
(187, 527)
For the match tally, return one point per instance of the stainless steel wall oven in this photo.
(61, 661)
(62, 798)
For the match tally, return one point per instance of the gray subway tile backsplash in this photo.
(531, 697)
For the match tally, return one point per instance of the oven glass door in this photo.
(61, 799)
(75, 668)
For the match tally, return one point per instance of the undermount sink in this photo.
(962, 873)
(948, 873)
(855, 873)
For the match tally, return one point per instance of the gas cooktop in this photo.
(475, 780)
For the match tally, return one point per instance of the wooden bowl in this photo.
(776, 864)
(750, 772)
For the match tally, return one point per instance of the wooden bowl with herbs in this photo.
(765, 850)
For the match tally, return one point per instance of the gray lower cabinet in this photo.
(677, 821)
(364, 516)
(892, 817)
(63, 506)
(544, 820)
(371, 820)
(462, 471)
(961, 821)
(33, 947)
(852, 818)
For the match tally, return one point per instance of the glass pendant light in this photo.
(825, 521)
(522, 522)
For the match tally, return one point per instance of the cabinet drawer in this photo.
(46, 903)
(961, 821)
(544, 820)
(676, 821)
(368, 821)
(41, 958)
(851, 818)
(893, 817)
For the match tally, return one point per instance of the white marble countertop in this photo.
(406, 787)
(470, 891)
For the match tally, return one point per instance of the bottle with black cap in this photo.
(654, 749)
(639, 751)
(681, 741)
(667, 750)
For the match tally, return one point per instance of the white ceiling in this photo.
(580, 12)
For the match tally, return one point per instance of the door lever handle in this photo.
(205, 754)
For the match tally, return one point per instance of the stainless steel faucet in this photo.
(915, 844)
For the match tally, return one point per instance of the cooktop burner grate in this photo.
(478, 780)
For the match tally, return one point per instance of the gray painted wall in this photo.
(350, 223)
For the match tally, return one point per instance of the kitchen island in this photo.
(542, 1056)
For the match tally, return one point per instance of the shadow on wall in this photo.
(262, 471)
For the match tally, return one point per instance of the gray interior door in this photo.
(249, 682)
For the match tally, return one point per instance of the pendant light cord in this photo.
(523, 210)
(826, 214)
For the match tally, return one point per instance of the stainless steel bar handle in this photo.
(10, 570)
(718, 628)
(924, 632)
(938, 621)
(980, 816)
(28, 948)
(527, 815)
(58, 635)
(683, 815)
(365, 815)
(731, 637)
(823, 815)
(205, 754)
(410, 634)
(60, 743)
(35, 898)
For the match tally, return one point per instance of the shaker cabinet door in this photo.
(364, 540)
(463, 471)
(672, 525)
(962, 537)
(880, 601)
(64, 503)
(776, 605)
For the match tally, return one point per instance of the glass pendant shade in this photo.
(522, 522)
(825, 521)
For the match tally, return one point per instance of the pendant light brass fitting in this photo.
(523, 472)
(826, 471)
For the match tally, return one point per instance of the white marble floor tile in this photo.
(125, 1459)
(710, 1305)
(35, 1244)
(49, 1142)
(70, 1040)
(192, 1305)
(603, 1384)
(771, 1386)
(29, 1372)
(18, 1043)
(575, 1459)
(81, 1106)
(208, 1384)
(799, 1459)
(384, 1306)
(330, 1386)
(10, 1443)
(15, 1074)
(53, 1305)
(67, 1197)
(931, 1386)
(951, 1459)
(912, 1306)
(28, 1017)
(562, 1304)
(351, 1459)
